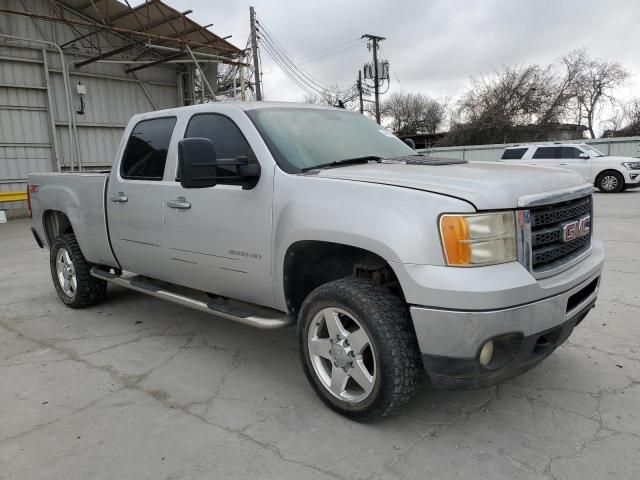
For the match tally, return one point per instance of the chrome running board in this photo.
(246, 313)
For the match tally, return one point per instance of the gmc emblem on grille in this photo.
(576, 229)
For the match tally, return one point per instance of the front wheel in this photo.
(358, 348)
(610, 182)
(74, 284)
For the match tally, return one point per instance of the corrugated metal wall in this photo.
(29, 111)
(623, 146)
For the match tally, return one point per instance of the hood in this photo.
(616, 159)
(487, 185)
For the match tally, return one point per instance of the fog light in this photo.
(486, 354)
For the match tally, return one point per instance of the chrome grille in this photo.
(556, 213)
(547, 247)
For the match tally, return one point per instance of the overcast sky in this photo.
(433, 46)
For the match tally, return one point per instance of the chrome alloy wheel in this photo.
(342, 355)
(66, 273)
(610, 182)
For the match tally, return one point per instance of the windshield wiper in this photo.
(346, 161)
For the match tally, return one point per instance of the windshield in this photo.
(597, 152)
(302, 138)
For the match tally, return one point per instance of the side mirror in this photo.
(197, 163)
(584, 156)
(199, 166)
(410, 142)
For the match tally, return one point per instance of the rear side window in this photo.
(146, 152)
(513, 153)
(548, 152)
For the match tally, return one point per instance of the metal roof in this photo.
(149, 24)
(153, 17)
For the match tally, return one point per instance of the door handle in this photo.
(180, 203)
(119, 198)
(563, 164)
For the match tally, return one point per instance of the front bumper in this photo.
(632, 179)
(515, 355)
(451, 339)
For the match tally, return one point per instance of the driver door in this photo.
(219, 238)
(570, 158)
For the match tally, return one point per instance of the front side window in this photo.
(513, 153)
(146, 152)
(226, 137)
(570, 152)
(302, 138)
(594, 151)
(547, 152)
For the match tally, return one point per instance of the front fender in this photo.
(398, 224)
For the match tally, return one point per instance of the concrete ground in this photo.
(140, 389)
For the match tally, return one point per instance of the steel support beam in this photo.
(157, 62)
(109, 54)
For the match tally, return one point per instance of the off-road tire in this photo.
(91, 290)
(602, 185)
(387, 322)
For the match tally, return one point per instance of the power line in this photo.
(311, 88)
(287, 57)
(333, 52)
(308, 87)
(289, 71)
(299, 76)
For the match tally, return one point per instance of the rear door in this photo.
(219, 238)
(570, 158)
(135, 198)
(546, 156)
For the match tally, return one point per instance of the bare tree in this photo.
(411, 113)
(511, 96)
(495, 105)
(595, 84)
(527, 103)
(333, 96)
(625, 122)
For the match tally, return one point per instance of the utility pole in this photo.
(360, 91)
(254, 48)
(376, 87)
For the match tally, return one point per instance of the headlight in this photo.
(631, 165)
(478, 239)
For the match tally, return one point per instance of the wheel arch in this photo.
(309, 264)
(55, 223)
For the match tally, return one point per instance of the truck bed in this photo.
(81, 198)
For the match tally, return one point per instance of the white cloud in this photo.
(434, 46)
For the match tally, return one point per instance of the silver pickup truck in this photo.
(391, 264)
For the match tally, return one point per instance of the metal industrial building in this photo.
(72, 73)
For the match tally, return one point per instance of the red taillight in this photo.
(29, 199)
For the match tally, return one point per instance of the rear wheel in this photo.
(358, 348)
(610, 182)
(75, 286)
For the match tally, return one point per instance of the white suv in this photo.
(610, 174)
